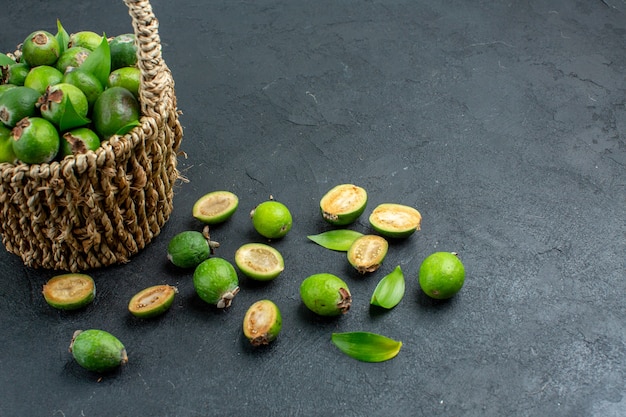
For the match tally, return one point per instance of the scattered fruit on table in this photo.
(441, 275)
(215, 281)
(215, 207)
(188, 249)
(271, 219)
(97, 350)
(343, 204)
(325, 294)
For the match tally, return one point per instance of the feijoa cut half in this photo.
(152, 301)
(262, 323)
(343, 204)
(215, 207)
(325, 294)
(395, 220)
(259, 261)
(69, 291)
(97, 350)
(367, 253)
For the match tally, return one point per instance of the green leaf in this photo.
(62, 37)
(70, 118)
(5, 60)
(99, 61)
(390, 290)
(339, 240)
(125, 129)
(366, 346)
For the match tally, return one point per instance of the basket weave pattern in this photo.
(100, 208)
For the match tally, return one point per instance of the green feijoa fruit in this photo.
(127, 77)
(390, 290)
(152, 301)
(441, 275)
(325, 294)
(39, 78)
(215, 281)
(395, 220)
(262, 323)
(114, 109)
(40, 48)
(188, 249)
(16, 104)
(123, 51)
(86, 82)
(54, 105)
(85, 39)
(35, 140)
(271, 219)
(343, 204)
(259, 261)
(6, 145)
(69, 291)
(215, 207)
(72, 58)
(15, 73)
(79, 141)
(5, 87)
(367, 253)
(338, 240)
(97, 350)
(366, 346)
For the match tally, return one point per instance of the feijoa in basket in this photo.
(99, 205)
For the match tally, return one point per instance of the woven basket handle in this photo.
(156, 77)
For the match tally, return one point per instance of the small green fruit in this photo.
(262, 323)
(36, 140)
(123, 51)
(343, 204)
(15, 74)
(6, 145)
(114, 109)
(69, 291)
(16, 104)
(272, 219)
(53, 104)
(72, 58)
(39, 78)
(97, 350)
(126, 77)
(85, 39)
(187, 249)
(79, 141)
(366, 254)
(215, 281)
(441, 275)
(325, 294)
(40, 48)
(87, 82)
(152, 301)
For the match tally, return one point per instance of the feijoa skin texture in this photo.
(187, 249)
(40, 48)
(97, 350)
(114, 109)
(441, 275)
(395, 220)
(215, 281)
(123, 51)
(262, 323)
(367, 253)
(152, 301)
(325, 294)
(16, 104)
(35, 140)
(69, 291)
(343, 204)
(215, 207)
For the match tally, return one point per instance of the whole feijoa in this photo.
(127, 77)
(40, 48)
(87, 82)
(35, 140)
(85, 39)
(72, 58)
(79, 141)
(187, 249)
(53, 105)
(272, 219)
(39, 78)
(262, 323)
(367, 252)
(15, 73)
(441, 275)
(215, 281)
(325, 294)
(97, 350)
(6, 145)
(123, 51)
(16, 104)
(114, 109)
(343, 204)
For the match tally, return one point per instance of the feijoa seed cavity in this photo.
(395, 220)
(215, 207)
(152, 301)
(262, 323)
(343, 204)
(69, 291)
(367, 253)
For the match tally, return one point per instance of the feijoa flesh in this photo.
(367, 253)
(69, 291)
(187, 249)
(325, 294)
(152, 301)
(97, 350)
(79, 141)
(262, 323)
(215, 281)
(259, 261)
(343, 204)
(395, 220)
(215, 207)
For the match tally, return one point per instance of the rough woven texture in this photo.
(102, 207)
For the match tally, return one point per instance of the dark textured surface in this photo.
(504, 123)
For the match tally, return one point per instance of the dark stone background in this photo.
(504, 123)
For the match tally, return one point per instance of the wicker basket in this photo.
(100, 208)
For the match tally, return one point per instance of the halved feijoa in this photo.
(69, 291)
(262, 322)
(367, 253)
(215, 207)
(343, 204)
(325, 294)
(259, 261)
(187, 249)
(152, 301)
(97, 350)
(395, 220)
